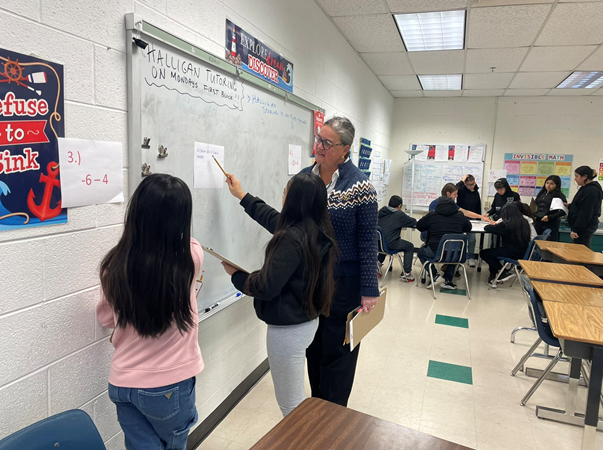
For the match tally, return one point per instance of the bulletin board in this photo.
(527, 172)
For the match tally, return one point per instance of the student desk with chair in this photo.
(575, 314)
(562, 252)
(560, 273)
(320, 425)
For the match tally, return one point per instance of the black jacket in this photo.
(543, 201)
(392, 221)
(282, 299)
(469, 200)
(518, 249)
(445, 219)
(585, 209)
(501, 200)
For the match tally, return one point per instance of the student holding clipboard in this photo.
(295, 285)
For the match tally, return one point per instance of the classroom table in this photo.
(477, 226)
(567, 293)
(320, 425)
(560, 273)
(579, 329)
(563, 252)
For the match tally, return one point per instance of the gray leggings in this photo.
(286, 346)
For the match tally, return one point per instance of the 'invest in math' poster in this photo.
(527, 172)
(31, 121)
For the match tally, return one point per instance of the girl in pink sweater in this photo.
(147, 295)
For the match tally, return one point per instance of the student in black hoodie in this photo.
(469, 200)
(445, 219)
(504, 195)
(391, 220)
(545, 218)
(296, 284)
(585, 209)
(515, 232)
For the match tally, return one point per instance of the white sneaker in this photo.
(471, 262)
(439, 279)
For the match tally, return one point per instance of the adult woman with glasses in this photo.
(352, 204)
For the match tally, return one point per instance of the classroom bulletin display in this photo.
(527, 172)
(31, 121)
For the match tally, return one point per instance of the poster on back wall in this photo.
(527, 172)
(251, 55)
(31, 121)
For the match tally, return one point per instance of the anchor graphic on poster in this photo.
(44, 211)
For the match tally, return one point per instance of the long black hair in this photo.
(518, 227)
(147, 276)
(305, 213)
(557, 191)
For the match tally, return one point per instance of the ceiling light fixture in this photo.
(582, 80)
(441, 82)
(443, 30)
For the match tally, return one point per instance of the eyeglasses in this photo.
(325, 144)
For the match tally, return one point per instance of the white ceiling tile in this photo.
(509, 26)
(594, 62)
(503, 59)
(551, 59)
(438, 62)
(487, 80)
(574, 24)
(570, 92)
(388, 63)
(398, 94)
(484, 3)
(443, 93)
(525, 92)
(483, 93)
(412, 6)
(371, 33)
(400, 83)
(538, 80)
(352, 7)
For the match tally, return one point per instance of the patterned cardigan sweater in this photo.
(353, 209)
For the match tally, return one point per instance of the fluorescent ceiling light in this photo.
(441, 82)
(432, 31)
(582, 80)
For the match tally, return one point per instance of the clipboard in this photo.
(359, 324)
(222, 258)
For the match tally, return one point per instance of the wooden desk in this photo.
(575, 322)
(567, 293)
(564, 252)
(319, 425)
(560, 273)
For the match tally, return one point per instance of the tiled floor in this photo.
(392, 383)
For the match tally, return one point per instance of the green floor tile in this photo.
(452, 321)
(450, 372)
(456, 291)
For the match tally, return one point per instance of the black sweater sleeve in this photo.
(286, 258)
(259, 211)
(589, 203)
(423, 222)
(499, 229)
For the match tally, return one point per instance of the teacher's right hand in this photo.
(235, 187)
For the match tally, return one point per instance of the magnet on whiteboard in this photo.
(145, 142)
(146, 170)
(162, 151)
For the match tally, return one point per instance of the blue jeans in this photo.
(471, 238)
(156, 418)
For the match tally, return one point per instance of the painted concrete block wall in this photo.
(55, 356)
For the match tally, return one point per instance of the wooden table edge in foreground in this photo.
(320, 425)
(548, 271)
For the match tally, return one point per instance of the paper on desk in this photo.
(207, 173)
(556, 204)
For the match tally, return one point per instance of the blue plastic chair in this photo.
(452, 249)
(383, 249)
(69, 430)
(531, 254)
(545, 335)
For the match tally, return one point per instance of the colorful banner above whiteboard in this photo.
(31, 121)
(253, 56)
(450, 152)
(527, 172)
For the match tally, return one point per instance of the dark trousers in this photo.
(401, 246)
(490, 256)
(584, 238)
(425, 253)
(331, 365)
(541, 226)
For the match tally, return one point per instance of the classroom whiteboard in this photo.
(177, 99)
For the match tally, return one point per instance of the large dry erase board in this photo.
(179, 95)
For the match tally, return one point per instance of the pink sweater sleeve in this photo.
(104, 312)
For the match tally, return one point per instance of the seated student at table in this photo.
(585, 209)
(515, 233)
(391, 220)
(469, 200)
(524, 209)
(445, 219)
(451, 191)
(547, 217)
(504, 195)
